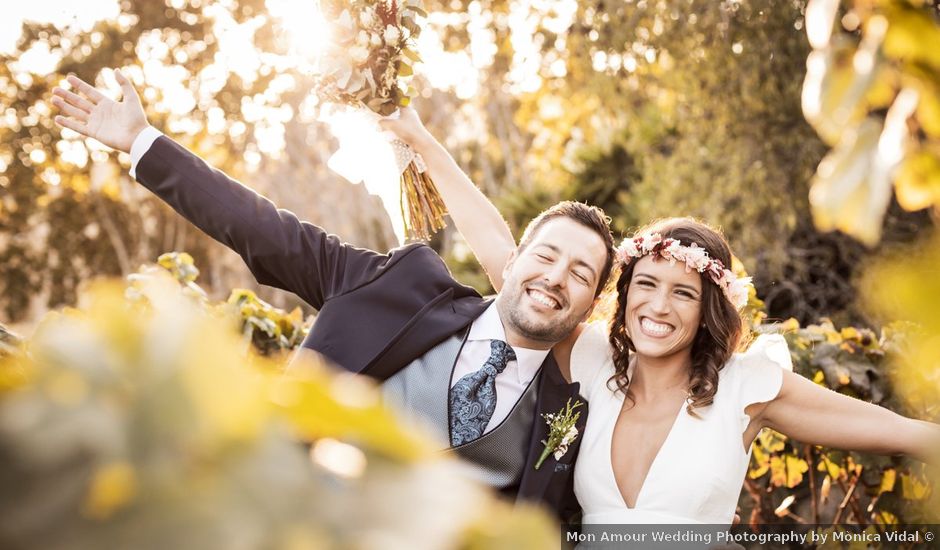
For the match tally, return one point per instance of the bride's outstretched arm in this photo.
(812, 414)
(475, 216)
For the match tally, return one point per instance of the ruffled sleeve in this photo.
(591, 360)
(759, 370)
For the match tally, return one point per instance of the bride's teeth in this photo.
(656, 328)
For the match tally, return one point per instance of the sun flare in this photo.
(307, 29)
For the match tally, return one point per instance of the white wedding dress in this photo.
(699, 471)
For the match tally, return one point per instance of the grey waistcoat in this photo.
(422, 388)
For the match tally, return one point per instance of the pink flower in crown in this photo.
(716, 271)
(738, 289)
(648, 241)
(671, 250)
(696, 258)
(627, 250)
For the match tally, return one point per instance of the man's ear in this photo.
(510, 261)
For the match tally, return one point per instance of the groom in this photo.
(478, 371)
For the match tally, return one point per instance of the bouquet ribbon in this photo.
(389, 168)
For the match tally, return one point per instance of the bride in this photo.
(674, 408)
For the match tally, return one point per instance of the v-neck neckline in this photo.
(659, 452)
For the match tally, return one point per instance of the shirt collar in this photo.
(489, 326)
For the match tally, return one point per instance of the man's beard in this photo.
(550, 332)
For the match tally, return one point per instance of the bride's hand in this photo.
(92, 114)
(409, 128)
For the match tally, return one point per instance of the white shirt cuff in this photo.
(141, 145)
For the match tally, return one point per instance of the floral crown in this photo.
(734, 288)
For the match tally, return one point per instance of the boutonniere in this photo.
(561, 431)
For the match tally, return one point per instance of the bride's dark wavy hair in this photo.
(721, 327)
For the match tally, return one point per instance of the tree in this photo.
(68, 210)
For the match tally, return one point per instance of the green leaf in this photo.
(411, 54)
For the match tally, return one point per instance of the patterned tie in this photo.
(473, 397)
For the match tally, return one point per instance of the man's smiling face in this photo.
(550, 283)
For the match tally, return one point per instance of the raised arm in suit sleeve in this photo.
(279, 249)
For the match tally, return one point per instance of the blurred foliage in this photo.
(271, 331)
(9, 342)
(143, 424)
(904, 285)
(789, 481)
(872, 92)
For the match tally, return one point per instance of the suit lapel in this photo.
(554, 392)
(439, 319)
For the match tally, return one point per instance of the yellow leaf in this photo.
(833, 97)
(913, 488)
(348, 408)
(832, 469)
(231, 400)
(848, 192)
(772, 441)
(884, 517)
(887, 481)
(778, 472)
(917, 182)
(883, 88)
(928, 111)
(819, 378)
(913, 35)
(796, 467)
(112, 487)
(760, 461)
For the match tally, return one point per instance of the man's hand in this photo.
(92, 114)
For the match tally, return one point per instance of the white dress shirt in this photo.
(510, 384)
(141, 145)
(513, 381)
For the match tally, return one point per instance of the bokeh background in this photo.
(776, 121)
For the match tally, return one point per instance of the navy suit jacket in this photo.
(377, 312)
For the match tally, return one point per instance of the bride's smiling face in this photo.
(664, 307)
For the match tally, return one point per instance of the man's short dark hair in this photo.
(591, 217)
